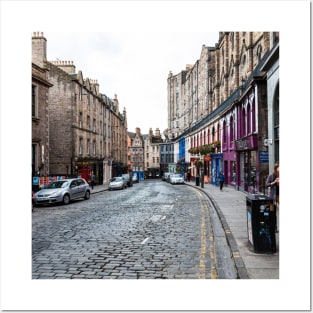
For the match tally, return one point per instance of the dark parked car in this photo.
(64, 191)
(117, 183)
(127, 179)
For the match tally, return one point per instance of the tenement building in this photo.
(152, 143)
(40, 116)
(136, 153)
(87, 134)
(223, 111)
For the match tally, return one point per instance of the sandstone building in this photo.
(87, 131)
(40, 120)
(152, 143)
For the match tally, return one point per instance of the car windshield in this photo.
(117, 179)
(57, 184)
(176, 175)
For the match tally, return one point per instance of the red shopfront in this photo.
(85, 169)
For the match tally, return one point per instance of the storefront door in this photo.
(248, 171)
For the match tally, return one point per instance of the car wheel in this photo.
(66, 199)
(87, 195)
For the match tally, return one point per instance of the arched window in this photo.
(218, 132)
(208, 136)
(204, 137)
(243, 123)
(231, 129)
(248, 120)
(253, 117)
(224, 133)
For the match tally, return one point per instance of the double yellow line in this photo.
(203, 251)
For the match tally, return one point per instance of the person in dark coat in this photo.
(93, 181)
(221, 180)
(272, 183)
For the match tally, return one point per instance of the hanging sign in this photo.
(263, 156)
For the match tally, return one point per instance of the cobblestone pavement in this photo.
(151, 230)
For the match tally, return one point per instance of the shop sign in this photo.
(263, 156)
(249, 142)
(242, 144)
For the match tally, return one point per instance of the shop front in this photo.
(216, 166)
(193, 169)
(88, 168)
(246, 149)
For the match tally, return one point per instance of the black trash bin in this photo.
(261, 223)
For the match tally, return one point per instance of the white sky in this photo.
(133, 65)
(17, 22)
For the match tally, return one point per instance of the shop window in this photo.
(233, 171)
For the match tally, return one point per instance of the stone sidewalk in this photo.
(231, 207)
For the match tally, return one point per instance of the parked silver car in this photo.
(117, 183)
(176, 179)
(64, 191)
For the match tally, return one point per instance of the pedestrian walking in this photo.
(92, 182)
(272, 183)
(188, 176)
(221, 180)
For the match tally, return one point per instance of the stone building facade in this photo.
(136, 152)
(229, 120)
(87, 132)
(152, 143)
(40, 120)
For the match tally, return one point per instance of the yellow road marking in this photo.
(203, 252)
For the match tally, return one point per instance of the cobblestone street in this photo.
(151, 230)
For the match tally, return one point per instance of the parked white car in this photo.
(117, 183)
(176, 179)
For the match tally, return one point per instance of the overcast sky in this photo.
(133, 65)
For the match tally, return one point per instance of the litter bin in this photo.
(261, 223)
